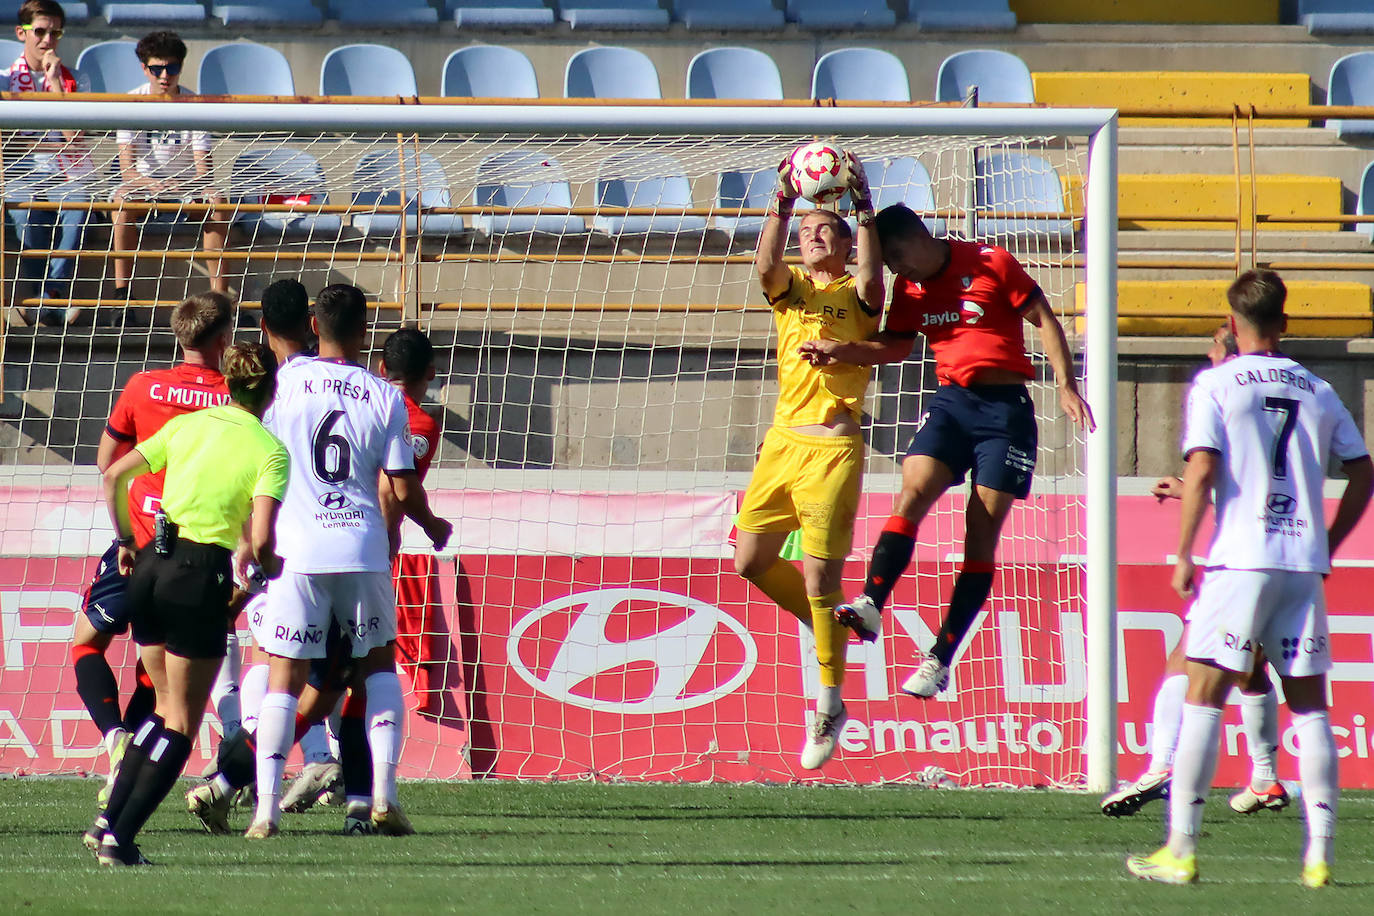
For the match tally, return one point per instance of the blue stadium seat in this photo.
(860, 74)
(748, 189)
(610, 73)
(733, 73)
(1019, 182)
(728, 14)
(639, 179)
(75, 13)
(267, 13)
(377, 181)
(391, 14)
(167, 13)
(280, 175)
(999, 76)
(962, 15)
(10, 51)
(613, 14)
(499, 14)
(1352, 83)
(111, 66)
(1365, 204)
(367, 70)
(489, 71)
(1336, 17)
(852, 14)
(244, 68)
(518, 178)
(903, 180)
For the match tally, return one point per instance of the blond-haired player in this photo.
(810, 467)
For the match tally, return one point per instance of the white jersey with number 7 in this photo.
(1275, 426)
(342, 426)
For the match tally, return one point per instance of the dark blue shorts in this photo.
(105, 604)
(986, 429)
(334, 672)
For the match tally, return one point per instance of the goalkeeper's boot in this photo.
(1248, 801)
(1162, 865)
(822, 738)
(121, 744)
(1316, 875)
(210, 806)
(1128, 800)
(261, 829)
(930, 678)
(358, 819)
(862, 616)
(315, 780)
(113, 855)
(389, 820)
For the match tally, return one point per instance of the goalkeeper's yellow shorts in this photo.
(806, 482)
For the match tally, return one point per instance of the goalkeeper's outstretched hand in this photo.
(787, 188)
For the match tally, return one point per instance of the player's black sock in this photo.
(97, 687)
(238, 758)
(970, 592)
(135, 756)
(142, 701)
(355, 756)
(891, 557)
(166, 757)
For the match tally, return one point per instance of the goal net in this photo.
(605, 376)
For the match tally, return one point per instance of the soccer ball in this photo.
(820, 172)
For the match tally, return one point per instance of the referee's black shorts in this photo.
(182, 600)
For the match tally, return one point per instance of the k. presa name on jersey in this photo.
(337, 386)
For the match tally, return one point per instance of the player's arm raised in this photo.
(868, 276)
(768, 260)
(1057, 352)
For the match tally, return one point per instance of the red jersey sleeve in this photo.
(424, 437)
(902, 312)
(1014, 281)
(120, 425)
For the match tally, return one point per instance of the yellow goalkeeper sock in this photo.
(832, 640)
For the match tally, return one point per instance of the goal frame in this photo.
(1098, 126)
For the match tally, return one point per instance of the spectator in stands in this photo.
(44, 165)
(165, 165)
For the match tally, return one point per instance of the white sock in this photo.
(331, 725)
(1195, 763)
(829, 701)
(252, 688)
(276, 729)
(1317, 768)
(1168, 715)
(1259, 715)
(385, 731)
(315, 745)
(112, 739)
(225, 693)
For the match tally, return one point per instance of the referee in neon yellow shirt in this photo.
(224, 470)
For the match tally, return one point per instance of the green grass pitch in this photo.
(503, 847)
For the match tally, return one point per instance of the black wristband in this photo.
(127, 540)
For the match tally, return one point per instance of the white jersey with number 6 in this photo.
(1275, 426)
(342, 426)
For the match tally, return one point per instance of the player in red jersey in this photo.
(203, 326)
(971, 301)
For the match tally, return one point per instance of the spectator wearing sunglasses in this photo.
(165, 165)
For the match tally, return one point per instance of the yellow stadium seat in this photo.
(1194, 308)
(1215, 195)
(1232, 12)
(1169, 90)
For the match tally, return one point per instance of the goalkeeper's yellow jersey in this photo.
(808, 395)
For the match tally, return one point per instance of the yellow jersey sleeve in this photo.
(274, 473)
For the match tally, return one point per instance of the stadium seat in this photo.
(733, 73)
(853, 14)
(1352, 83)
(1019, 182)
(499, 14)
(1364, 205)
(962, 15)
(638, 179)
(1336, 17)
(9, 52)
(728, 14)
(391, 14)
(245, 68)
(367, 70)
(524, 179)
(610, 73)
(167, 13)
(860, 74)
(613, 14)
(999, 76)
(76, 13)
(267, 13)
(903, 180)
(489, 71)
(1194, 308)
(111, 66)
(280, 175)
(377, 181)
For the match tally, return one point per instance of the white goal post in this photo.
(1088, 270)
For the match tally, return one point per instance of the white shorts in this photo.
(295, 620)
(1238, 611)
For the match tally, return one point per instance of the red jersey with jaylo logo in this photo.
(147, 402)
(970, 312)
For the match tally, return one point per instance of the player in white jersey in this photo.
(345, 427)
(1260, 431)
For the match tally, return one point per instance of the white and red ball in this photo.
(820, 172)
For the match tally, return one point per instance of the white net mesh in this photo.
(605, 378)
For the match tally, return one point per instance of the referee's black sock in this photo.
(135, 756)
(167, 756)
(97, 687)
(142, 701)
(970, 593)
(891, 557)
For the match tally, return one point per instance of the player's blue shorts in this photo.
(987, 429)
(105, 604)
(334, 672)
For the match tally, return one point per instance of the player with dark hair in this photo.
(1259, 432)
(971, 301)
(286, 320)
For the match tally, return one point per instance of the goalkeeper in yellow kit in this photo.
(811, 465)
